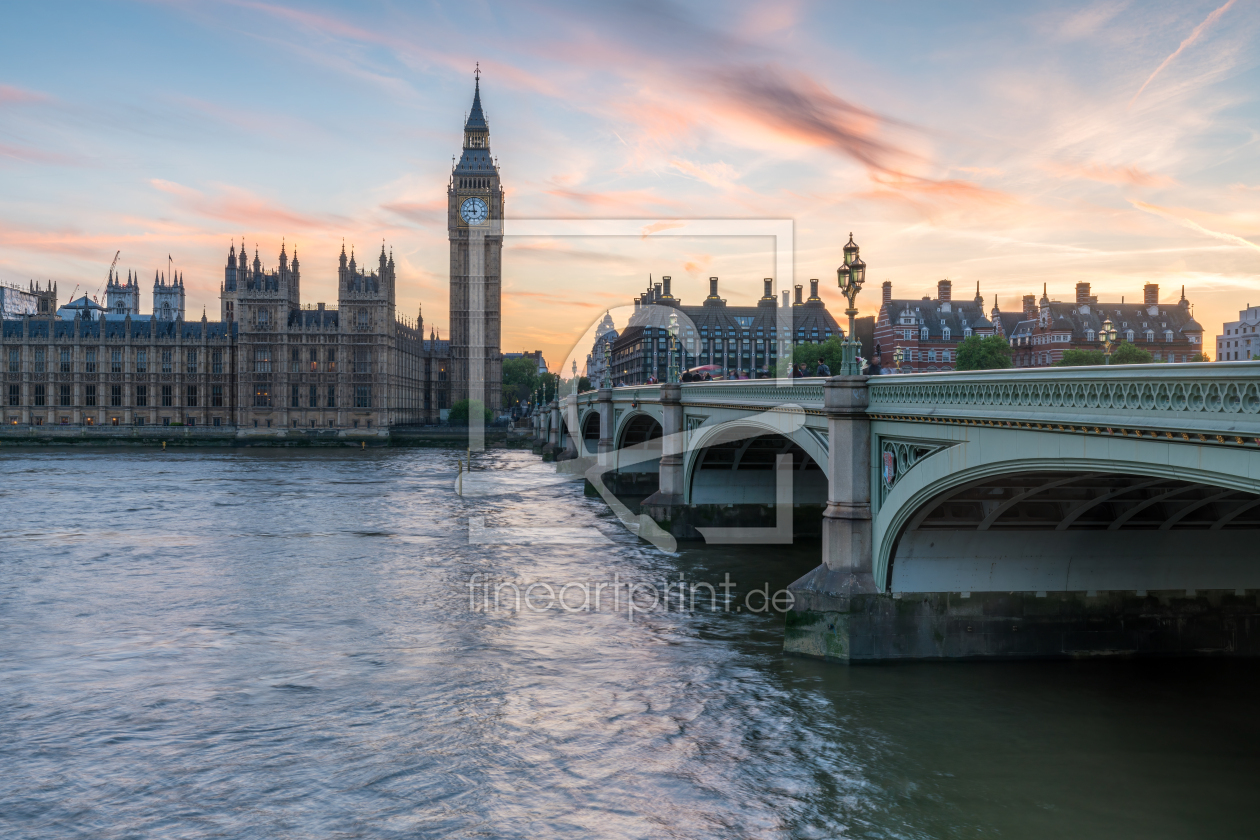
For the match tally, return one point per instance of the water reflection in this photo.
(271, 644)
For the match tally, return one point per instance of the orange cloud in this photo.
(1193, 225)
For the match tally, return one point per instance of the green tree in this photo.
(830, 351)
(988, 353)
(462, 410)
(1130, 354)
(1078, 358)
(520, 378)
(1199, 357)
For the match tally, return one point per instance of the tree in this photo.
(1130, 354)
(830, 351)
(520, 378)
(1199, 357)
(988, 353)
(462, 410)
(1078, 358)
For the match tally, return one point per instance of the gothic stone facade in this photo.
(268, 363)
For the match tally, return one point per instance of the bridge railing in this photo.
(1219, 398)
(805, 392)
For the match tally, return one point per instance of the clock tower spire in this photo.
(475, 230)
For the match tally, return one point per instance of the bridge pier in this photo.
(570, 445)
(552, 445)
(604, 447)
(670, 496)
(824, 599)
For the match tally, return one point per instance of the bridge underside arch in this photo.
(736, 465)
(1044, 530)
(590, 433)
(638, 450)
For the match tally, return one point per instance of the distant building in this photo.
(605, 334)
(1238, 339)
(747, 340)
(1050, 327)
(928, 330)
(536, 356)
(16, 302)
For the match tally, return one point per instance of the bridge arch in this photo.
(993, 513)
(638, 454)
(734, 463)
(590, 432)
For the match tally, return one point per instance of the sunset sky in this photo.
(1009, 144)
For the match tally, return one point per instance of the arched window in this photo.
(1150, 335)
(1089, 335)
(1168, 335)
(967, 332)
(1128, 334)
(945, 333)
(923, 334)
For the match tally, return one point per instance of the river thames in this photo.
(267, 644)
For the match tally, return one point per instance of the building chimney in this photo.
(666, 281)
(321, 306)
(656, 293)
(944, 288)
(1082, 293)
(813, 290)
(799, 289)
(785, 299)
(887, 291)
(1030, 306)
(769, 294)
(713, 287)
(1150, 294)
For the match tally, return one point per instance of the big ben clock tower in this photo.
(475, 225)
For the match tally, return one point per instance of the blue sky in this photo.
(1008, 145)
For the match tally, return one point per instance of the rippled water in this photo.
(275, 644)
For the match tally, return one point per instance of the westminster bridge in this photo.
(1057, 512)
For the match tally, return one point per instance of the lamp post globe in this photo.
(1107, 334)
(850, 278)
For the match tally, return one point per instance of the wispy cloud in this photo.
(1106, 174)
(1193, 225)
(1194, 36)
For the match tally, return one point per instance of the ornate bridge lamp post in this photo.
(673, 347)
(851, 276)
(899, 356)
(607, 378)
(1107, 335)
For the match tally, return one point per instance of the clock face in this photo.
(474, 211)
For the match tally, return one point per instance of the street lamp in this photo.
(899, 356)
(607, 378)
(673, 347)
(1107, 335)
(850, 277)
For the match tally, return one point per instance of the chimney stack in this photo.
(666, 281)
(799, 289)
(887, 291)
(769, 293)
(713, 287)
(944, 289)
(1150, 294)
(1030, 306)
(1082, 293)
(813, 290)
(785, 299)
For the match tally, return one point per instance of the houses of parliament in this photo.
(269, 362)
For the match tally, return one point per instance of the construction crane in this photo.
(108, 275)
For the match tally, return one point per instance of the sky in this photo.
(1008, 145)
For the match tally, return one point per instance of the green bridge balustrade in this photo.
(1055, 512)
